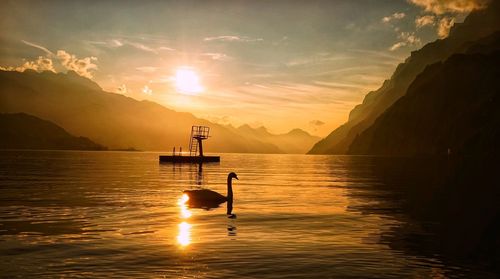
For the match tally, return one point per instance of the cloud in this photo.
(117, 43)
(445, 11)
(82, 66)
(425, 20)
(232, 39)
(122, 89)
(444, 26)
(38, 46)
(316, 122)
(397, 45)
(394, 16)
(217, 56)
(146, 90)
(407, 39)
(166, 48)
(143, 47)
(450, 6)
(147, 69)
(40, 64)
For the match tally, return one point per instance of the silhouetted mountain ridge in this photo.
(477, 25)
(451, 105)
(23, 131)
(296, 141)
(81, 107)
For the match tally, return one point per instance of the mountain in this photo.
(296, 141)
(81, 107)
(23, 131)
(450, 105)
(477, 25)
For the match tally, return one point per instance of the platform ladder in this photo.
(198, 134)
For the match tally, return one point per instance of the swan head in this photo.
(232, 175)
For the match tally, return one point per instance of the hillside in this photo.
(23, 131)
(477, 25)
(451, 105)
(444, 135)
(81, 107)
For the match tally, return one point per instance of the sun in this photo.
(187, 81)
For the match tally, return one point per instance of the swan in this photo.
(208, 199)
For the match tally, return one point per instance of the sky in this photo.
(278, 64)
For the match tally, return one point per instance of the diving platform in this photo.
(196, 156)
(189, 159)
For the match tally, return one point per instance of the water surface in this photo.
(97, 214)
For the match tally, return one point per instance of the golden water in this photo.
(121, 214)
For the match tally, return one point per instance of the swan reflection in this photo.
(231, 228)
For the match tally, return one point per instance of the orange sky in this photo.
(283, 65)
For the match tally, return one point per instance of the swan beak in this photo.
(236, 178)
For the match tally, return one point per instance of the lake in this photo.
(118, 214)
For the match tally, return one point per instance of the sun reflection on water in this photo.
(184, 236)
(185, 213)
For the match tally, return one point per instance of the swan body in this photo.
(204, 198)
(208, 199)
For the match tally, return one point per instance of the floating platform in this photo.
(189, 159)
(198, 135)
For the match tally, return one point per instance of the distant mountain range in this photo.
(477, 25)
(23, 131)
(81, 107)
(296, 141)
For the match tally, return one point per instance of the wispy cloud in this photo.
(316, 122)
(232, 39)
(444, 26)
(147, 69)
(143, 47)
(317, 59)
(116, 43)
(450, 6)
(217, 56)
(406, 39)
(152, 47)
(146, 90)
(425, 20)
(38, 46)
(166, 48)
(394, 16)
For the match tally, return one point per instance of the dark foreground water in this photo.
(117, 214)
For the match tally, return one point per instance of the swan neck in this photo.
(229, 188)
(229, 196)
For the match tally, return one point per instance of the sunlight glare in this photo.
(184, 237)
(185, 213)
(187, 81)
